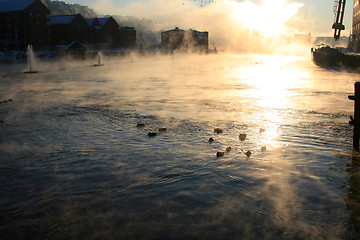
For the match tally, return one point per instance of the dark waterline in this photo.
(75, 165)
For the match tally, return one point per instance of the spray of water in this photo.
(30, 59)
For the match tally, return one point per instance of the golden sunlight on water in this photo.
(271, 83)
(272, 80)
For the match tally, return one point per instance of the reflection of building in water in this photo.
(184, 39)
(23, 22)
(354, 43)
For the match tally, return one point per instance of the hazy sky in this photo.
(312, 16)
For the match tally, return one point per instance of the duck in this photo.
(218, 130)
(220, 153)
(242, 136)
(152, 134)
(140, 125)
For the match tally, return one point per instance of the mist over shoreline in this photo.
(245, 27)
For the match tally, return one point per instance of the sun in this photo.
(268, 18)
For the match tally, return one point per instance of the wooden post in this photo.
(356, 120)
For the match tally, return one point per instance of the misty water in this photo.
(75, 165)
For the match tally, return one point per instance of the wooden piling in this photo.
(356, 120)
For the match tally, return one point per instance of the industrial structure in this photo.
(326, 56)
(339, 8)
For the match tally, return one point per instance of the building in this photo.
(106, 33)
(127, 37)
(354, 43)
(110, 32)
(67, 29)
(24, 22)
(76, 50)
(95, 31)
(178, 39)
(172, 39)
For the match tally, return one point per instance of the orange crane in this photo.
(339, 8)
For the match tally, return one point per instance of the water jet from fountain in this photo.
(30, 58)
(99, 60)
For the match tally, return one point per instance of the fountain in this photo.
(99, 60)
(131, 55)
(30, 59)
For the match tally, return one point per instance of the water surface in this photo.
(74, 164)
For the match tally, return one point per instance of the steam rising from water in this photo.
(245, 26)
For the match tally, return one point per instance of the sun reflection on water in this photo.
(271, 82)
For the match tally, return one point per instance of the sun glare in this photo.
(270, 83)
(268, 18)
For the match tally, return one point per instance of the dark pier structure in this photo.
(356, 119)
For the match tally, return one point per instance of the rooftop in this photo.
(90, 21)
(103, 20)
(61, 19)
(14, 5)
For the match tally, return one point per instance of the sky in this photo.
(307, 16)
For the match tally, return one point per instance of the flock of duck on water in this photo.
(242, 137)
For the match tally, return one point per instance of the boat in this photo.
(326, 56)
